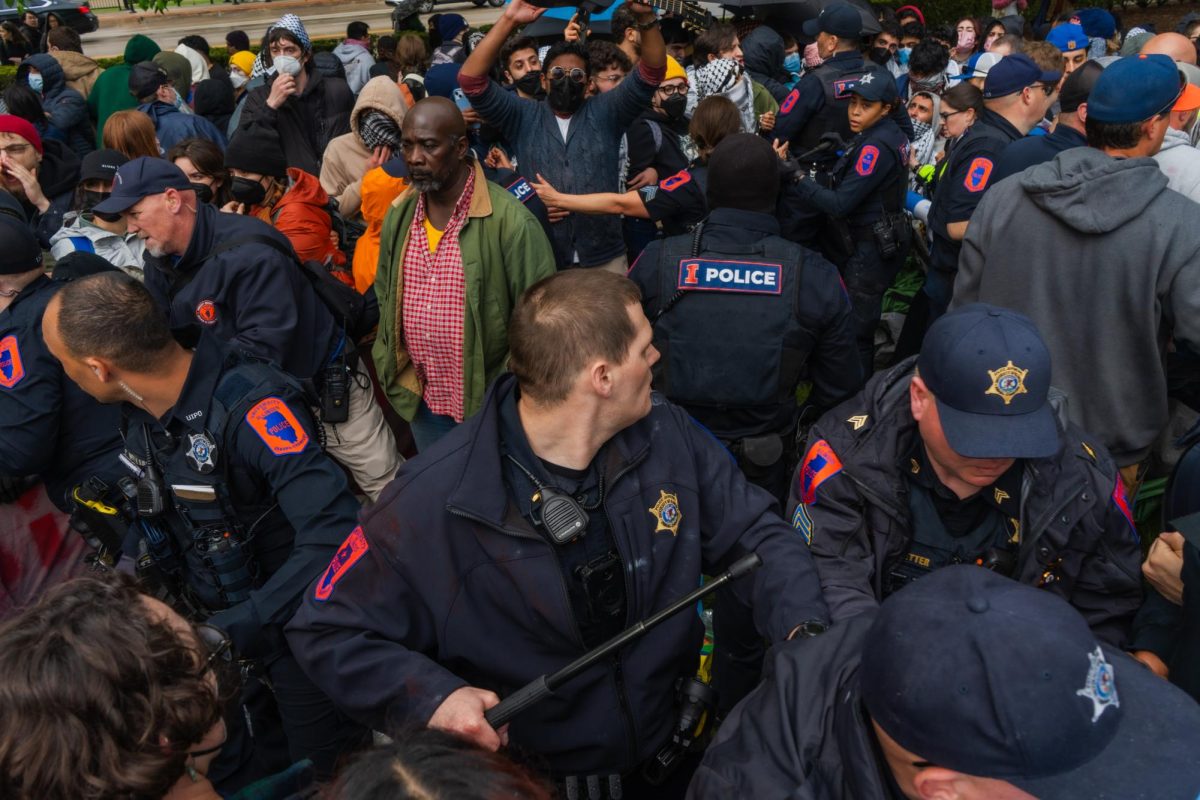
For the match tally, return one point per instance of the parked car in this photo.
(73, 13)
(403, 9)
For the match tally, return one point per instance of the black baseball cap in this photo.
(101, 165)
(838, 19)
(876, 84)
(141, 177)
(990, 372)
(19, 248)
(145, 78)
(1013, 73)
(980, 674)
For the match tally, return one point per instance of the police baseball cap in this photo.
(977, 673)
(990, 372)
(838, 19)
(141, 177)
(1012, 74)
(1134, 89)
(1068, 37)
(877, 84)
(101, 165)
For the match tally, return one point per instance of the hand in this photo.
(1164, 565)
(766, 121)
(462, 713)
(29, 182)
(234, 207)
(379, 156)
(647, 177)
(547, 192)
(780, 148)
(471, 117)
(498, 159)
(1152, 661)
(556, 214)
(521, 12)
(574, 31)
(283, 87)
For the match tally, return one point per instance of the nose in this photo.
(654, 355)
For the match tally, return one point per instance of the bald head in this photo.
(1176, 46)
(439, 115)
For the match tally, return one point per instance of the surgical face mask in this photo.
(812, 56)
(966, 40)
(565, 96)
(204, 192)
(287, 65)
(792, 62)
(902, 56)
(179, 104)
(36, 82)
(675, 106)
(237, 78)
(530, 83)
(247, 191)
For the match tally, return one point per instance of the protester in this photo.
(380, 187)
(41, 175)
(64, 108)
(374, 138)
(110, 92)
(79, 71)
(131, 133)
(17, 46)
(355, 55)
(179, 69)
(213, 99)
(1178, 157)
(204, 165)
(160, 100)
(85, 231)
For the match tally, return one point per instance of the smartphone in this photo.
(460, 100)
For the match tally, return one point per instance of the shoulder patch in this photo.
(675, 181)
(12, 368)
(736, 277)
(845, 87)
(978, 174)
(353, 549)
(206, 312)
(520, 189)
(789, 102)
(277, 426)
(820, 464)
(868, 157)
(1122, 503)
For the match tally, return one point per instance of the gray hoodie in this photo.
(1105, 259)
(357, 62)
(1180, 162)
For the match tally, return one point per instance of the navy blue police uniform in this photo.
(869, 233)
(251, 511)
(678, 201)
(51, 427)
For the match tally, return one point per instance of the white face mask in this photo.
(287, 65)
(237, 78)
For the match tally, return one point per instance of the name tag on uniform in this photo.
(736, 277)
(200, 492)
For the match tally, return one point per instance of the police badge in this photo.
(202, 452)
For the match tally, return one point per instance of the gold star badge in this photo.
(666, 513)
(1007, 382)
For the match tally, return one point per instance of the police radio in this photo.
(562, 517)
(150, 501)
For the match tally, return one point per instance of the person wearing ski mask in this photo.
(298, 109)
(84, 230)
(571, 140)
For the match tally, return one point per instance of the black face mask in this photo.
(675, 106)
(565, 96)
(530, 83)
(204, 192)
(247, 191)
(89, 198)
(880, 55)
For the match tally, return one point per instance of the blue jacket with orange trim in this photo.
(447, 585)
(849, 497)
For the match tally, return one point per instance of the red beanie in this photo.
(913, 9)
(12, 124)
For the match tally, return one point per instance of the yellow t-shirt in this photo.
(433, 235)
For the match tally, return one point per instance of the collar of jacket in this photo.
(482, 467)
(481, 201)
(201, 241)
(852, 726)
(750, 221)
(39, 283)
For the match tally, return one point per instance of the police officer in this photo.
(236, 507)
(237, 277)
(957, 456)
(573, 504)
(865, 204)
(964, 685)
(48, 427)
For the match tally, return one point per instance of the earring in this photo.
(191, 772)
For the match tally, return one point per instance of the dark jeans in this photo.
(272, 728)
(868, 277)
(427, 427)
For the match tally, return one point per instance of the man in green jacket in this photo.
(110, 93)
(456, 253)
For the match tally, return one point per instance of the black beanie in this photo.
(743, 173)
(19, 248)
(251, 153)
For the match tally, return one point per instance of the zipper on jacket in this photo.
(626, 712)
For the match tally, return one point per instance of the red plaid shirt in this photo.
(434, 306)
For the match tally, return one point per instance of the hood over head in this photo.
(140, 48)
(379, 94)
(197, 62)
(1076, 187)
(52, 74)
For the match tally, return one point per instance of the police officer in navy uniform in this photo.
(741, 316)
(48, 426)
(237, 508)
(870, 232)
(958, 456)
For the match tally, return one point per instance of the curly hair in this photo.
(98, 699)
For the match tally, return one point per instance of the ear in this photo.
(174, 201)
(100, 368)
(508, 76)
(936, 783)
(601, 378)
(919, 397)
(1082, 112)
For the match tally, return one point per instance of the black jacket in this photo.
(450, 587)
(762, 50)
(58, 176)
(1072, 523)
(803, 734)
(251, 294)
(305, 124)
(213, 100)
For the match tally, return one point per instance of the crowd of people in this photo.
(384, 383)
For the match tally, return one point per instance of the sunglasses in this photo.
(577, 75)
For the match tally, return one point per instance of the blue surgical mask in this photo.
(792, 63)
(902, 56)
(36, 82)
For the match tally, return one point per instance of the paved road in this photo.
(254, 18)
